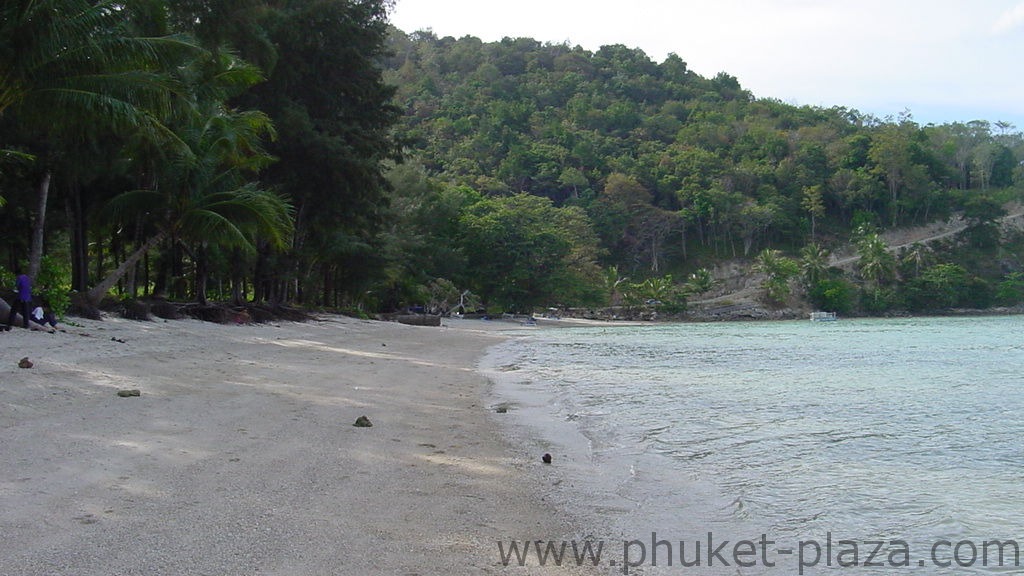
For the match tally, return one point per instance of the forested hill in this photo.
(677, 171)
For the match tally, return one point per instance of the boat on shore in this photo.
(823, 317)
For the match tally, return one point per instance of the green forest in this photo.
(308, 154)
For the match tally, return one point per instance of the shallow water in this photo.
(905, 430)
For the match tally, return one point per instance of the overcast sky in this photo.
(944, 60)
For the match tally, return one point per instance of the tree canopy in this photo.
(307, 152)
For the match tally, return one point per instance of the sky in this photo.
(943, 60)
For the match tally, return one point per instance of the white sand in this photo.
(239, 457)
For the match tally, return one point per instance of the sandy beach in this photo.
(239, 455)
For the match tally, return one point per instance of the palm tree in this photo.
(69, 68)
(203, 198)
(700, 281)
(813, 263)
(778, 270)
(203, 193)
(612, 281)
(917, 255)
(876, 263)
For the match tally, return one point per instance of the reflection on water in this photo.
(909, 429)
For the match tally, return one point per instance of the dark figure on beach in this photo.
(42, 316)
(21, 303)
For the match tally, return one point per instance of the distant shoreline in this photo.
(754, 313)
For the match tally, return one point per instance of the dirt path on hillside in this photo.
(746, 285)
(901, 238)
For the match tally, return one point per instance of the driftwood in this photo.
(417, 319)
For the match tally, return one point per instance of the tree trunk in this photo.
(655, 253)
(35, 254)
(145, 274)
(201, 274)
(97, 292)
(259, 274)
(79, 241)
(326, 288)
(99, 255)
(179, 284)
(5, 309)
(237, 276)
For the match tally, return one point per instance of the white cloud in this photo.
(1009, 20)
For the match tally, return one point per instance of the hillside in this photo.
(678, 173)
(740, 294)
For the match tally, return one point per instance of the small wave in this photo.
(694, 455)
(653, 433)
(849, 437)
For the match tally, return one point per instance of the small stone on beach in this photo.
(363, 422)
(25, 363)
(129, 393)
(546, 458)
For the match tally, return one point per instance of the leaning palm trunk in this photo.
(97, 292)
(5, 309)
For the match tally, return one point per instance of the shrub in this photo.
(833, 295)
(1010, 290)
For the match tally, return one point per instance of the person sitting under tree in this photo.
(42, 316)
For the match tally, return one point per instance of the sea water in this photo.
(840, 435)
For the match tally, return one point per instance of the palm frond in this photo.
(134, 204)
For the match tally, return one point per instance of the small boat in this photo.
(823, 317)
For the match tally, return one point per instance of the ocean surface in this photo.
(787, 435)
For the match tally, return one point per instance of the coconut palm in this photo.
(70, 69)
(612, 281)
(77, 60)
(778, 271)
(203, 198)
(876, 263)
(203, 193)
(917, 255)
(700, 281)
(813, 263)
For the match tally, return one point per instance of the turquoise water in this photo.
(898, 429)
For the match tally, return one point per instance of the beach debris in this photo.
(363, 422)
(116, 339)
(546, 458)
(24, 363)
(416, 319)
(129, 393)
(501, 409)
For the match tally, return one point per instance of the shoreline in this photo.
(755, 313)
(240, 455)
